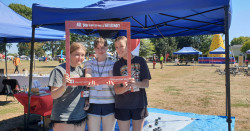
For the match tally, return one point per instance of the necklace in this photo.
(100, 73)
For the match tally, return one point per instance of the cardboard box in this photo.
(34, 90)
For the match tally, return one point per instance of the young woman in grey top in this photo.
(68, 103)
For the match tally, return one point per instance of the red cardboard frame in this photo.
(101, 25)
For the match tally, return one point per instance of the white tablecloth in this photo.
(24, 80)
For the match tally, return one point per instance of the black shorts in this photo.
(101, 109)
(134, 114)
(160, 62)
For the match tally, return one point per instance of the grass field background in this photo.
(195, 88)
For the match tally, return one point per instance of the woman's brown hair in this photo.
(100, 41)
(75, 46)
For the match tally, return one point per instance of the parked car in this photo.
(41, 58)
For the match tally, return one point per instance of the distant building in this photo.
(235, 49)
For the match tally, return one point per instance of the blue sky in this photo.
(240, 24)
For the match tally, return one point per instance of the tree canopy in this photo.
(22, 10)
(146, 48)
(172, 44)
(239, 41)
(245, 47)
(2, 47)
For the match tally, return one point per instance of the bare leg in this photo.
(124, 125)
(81, 128)
(108, 122)
(63, 127)
(138, 125)
(94, 123)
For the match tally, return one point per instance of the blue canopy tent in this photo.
(16, 28)
(188, 51)
(219, 50)
(149, 19)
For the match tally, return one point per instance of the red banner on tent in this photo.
(100, 25)
(134, 43)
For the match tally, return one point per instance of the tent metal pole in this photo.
(5, 53)
(31, 72)
(226, 27)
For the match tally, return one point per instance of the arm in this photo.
(120, 90)
(142, 84)
(139, 84)
(88, 73)
(57, 92)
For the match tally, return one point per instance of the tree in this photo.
(164, 45)
(22, 10)
(59, 47)
(12, 54)
(86, 40)
(184, 41)
(245, 47)
(54, 47)
(2, 47)
(23, 49)
(146, 48)
(239, 41)
(38, 47)
(111, 46)
(202, 43)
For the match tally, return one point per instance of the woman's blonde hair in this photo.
(101, 41)
(75, 46)
(121, 38)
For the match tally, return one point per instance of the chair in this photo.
(247, 72)
(11, 86)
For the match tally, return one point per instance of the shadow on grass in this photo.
(45, 66)
(17, 124)
(3, 103)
